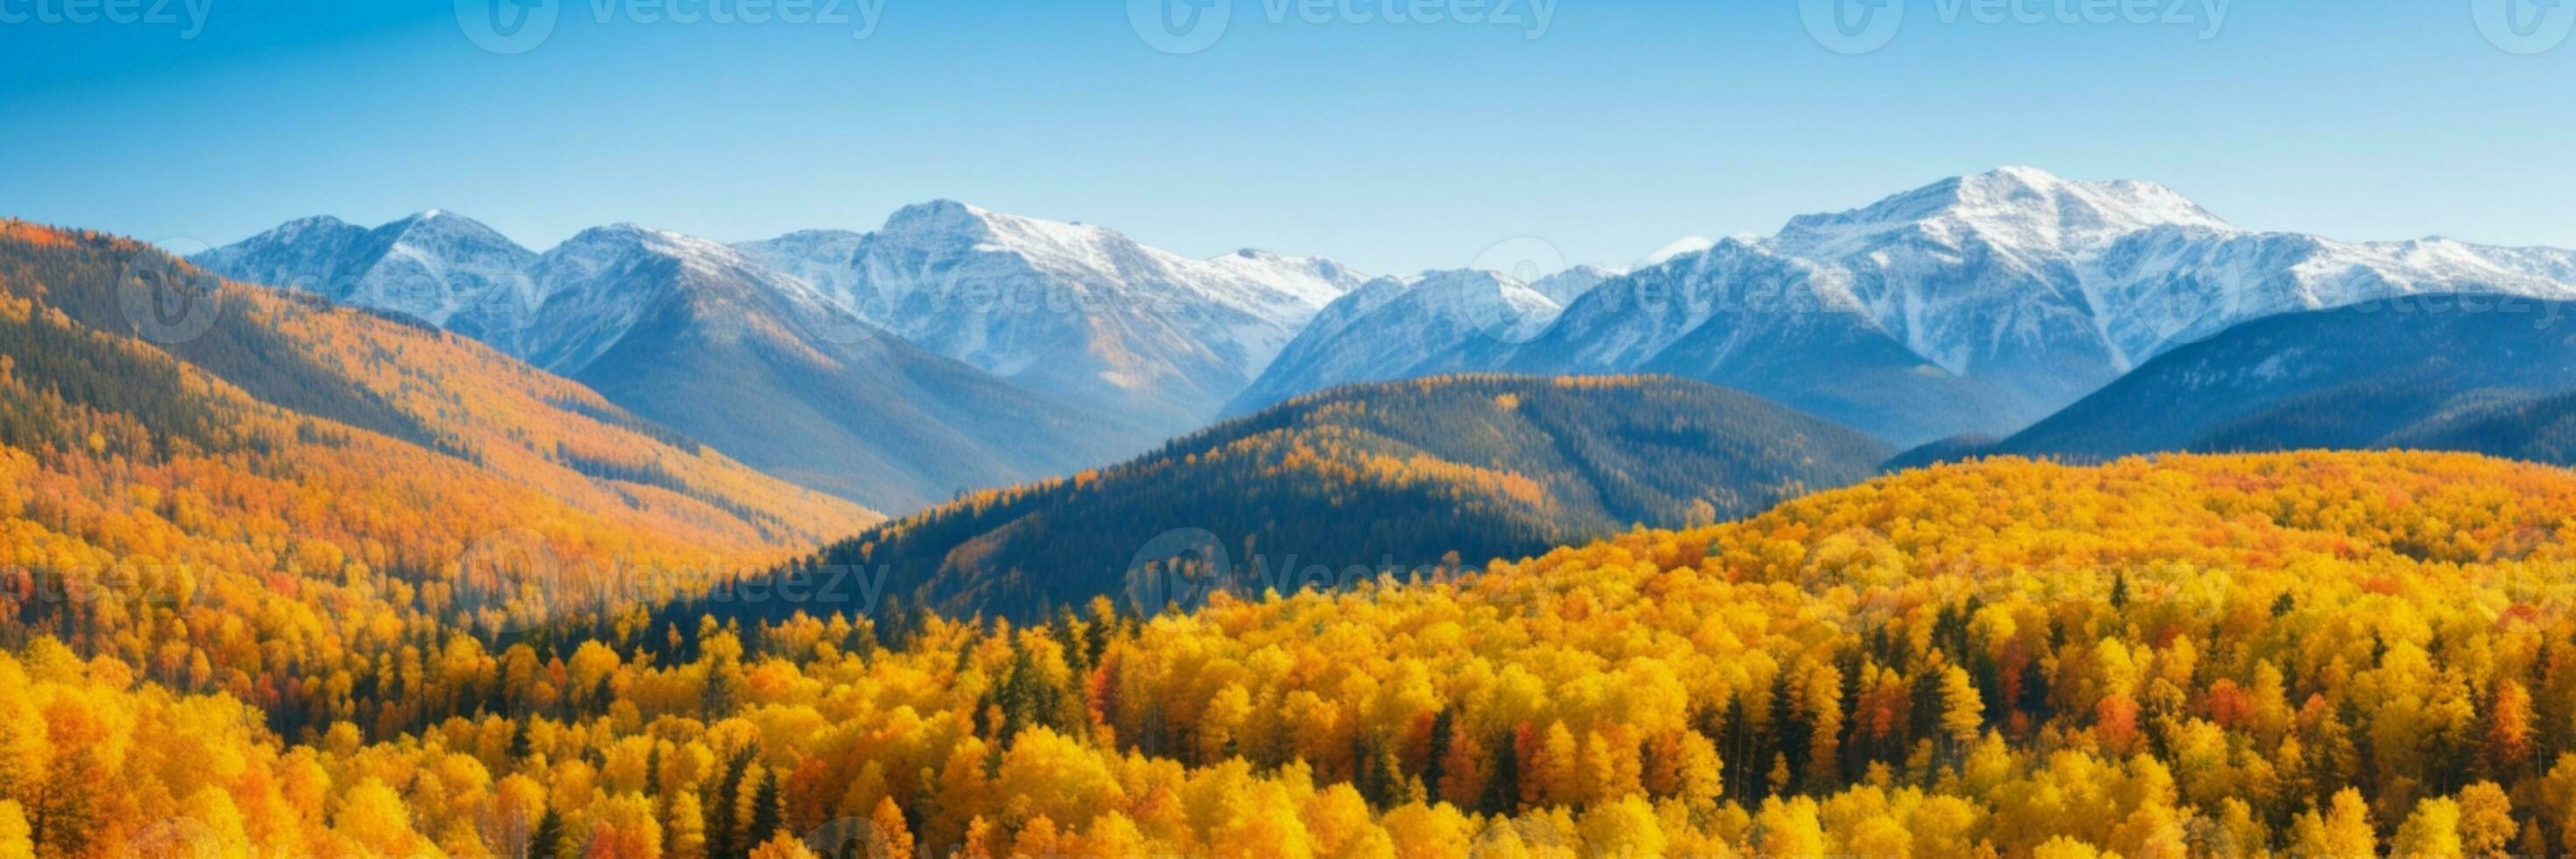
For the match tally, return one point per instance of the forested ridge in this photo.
(1433, 474)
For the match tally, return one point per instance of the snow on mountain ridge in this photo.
(2037, 287)
(1068, 306)
(2021, 206)
(1399, 327)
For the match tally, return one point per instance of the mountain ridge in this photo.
(1978, 304)
(700, 336)
(1443, 472)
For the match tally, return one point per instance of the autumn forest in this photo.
(320, 582)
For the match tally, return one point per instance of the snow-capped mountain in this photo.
(1076, 310)
(702, 338)
(446, 269)
(1565, 286)
(1676, 247)
(1981, 303)
(600, 282)
(760, 364)
(1398, 328)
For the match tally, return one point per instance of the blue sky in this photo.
(1395, 146)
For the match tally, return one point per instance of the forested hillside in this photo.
(1408, 478)
(293, 503)
(2426, 371)
(2300, 654)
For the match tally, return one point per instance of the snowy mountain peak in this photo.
(939, 218)
(1564, 287)
(2022, 207)
(1398, 327)
(620, 244)
(440, 226)
(305, 226)
(1678, 247)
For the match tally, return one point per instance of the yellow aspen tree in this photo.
(2487, 828)
(14, 833)
(1788, 828)
(2343, 830)
(2062, 847)
(687, 838)
(1824, 706)
(1624, 828)
(1038, 839)
(888, 836)
(783, 846)
(2431, 832)
(1549, 778)
(1112, 834)
(1963, 711)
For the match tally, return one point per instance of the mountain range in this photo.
(1976, 304)
(1406, 327)
(956, 348)
(1074, 310)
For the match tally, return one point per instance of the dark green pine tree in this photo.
(722, 827)
(1437, 767)
(768, 812)
(1503, 790)
(547, 842)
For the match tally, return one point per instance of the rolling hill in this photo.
(1405, 478)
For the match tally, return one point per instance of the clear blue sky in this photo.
(1396, 147)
